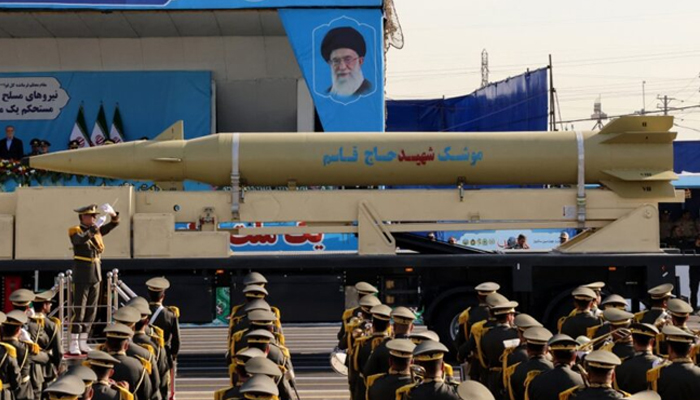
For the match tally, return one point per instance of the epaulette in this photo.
(232, 316)
(694, 351)
(592, 330)
(347, 314)
(56, 321)
(158, 331)
(175, 310)
(74, 229)
(32, 347)
(10, 349)
(640, 315)
(504, 363)
(159, 340)
(146, 364)
(148, 347)
(277, 312)
(286, 352)
(449, 371)
(232, 369)
(478, 330)
(653, 376)
(124, 394)
(507, 374)
(560, 323)
(657, 345)
(404, 391)
(464, 316)
(567, 393)
(372, 378)
(280, 338)
(39, 321)
(528, 380)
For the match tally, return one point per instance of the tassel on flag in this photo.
(99, 131)
(116, 132)
(79, 132)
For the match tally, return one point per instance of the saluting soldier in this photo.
(10, 374)
(259, 387)
(657, 314)
(433, 386)
(600, 366)
(131, 370)
(614, 301)
(631, 376)
(537, 363)
(67, 387)
(583, 318)
(344, 335)
(104, 388)
(364, 346)
(473, 390)
(378, 361)
(680, 378)
(680, 312)
(549, 384)
(88, 247)
(165, 318)
(384, 385)
(51, 341)
(474, 314)
(515, 355)
(492, 344)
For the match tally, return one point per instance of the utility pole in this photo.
(644, 97)
(484, 68)
(665, 101)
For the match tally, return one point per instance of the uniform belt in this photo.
(88, 259)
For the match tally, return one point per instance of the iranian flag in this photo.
(79, 132)
(116, 132)
(99, 131)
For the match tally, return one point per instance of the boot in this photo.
(74, 345)
(84, 348)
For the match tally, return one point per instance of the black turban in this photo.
(343, 38)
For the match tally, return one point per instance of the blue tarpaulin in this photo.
(686, 156)
(515, 104)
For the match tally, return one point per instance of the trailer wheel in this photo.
(445, 323)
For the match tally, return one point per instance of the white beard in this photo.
(347, 86)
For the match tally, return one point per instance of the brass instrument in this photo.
(417, 373)
(356, 327)
(622, 333)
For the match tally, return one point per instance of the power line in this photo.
(628, 114)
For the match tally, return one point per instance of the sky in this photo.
(599, 48)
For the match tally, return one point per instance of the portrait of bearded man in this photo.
(344, 51)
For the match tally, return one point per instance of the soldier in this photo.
(27, 353)
(265, 341)
(600, 366)
(129, 369)
(260, 387)
(88, 246)
(522, 373)
(657, 314)
(577, 324)
(67, 387)
(492, 344)
(679, 379)
(378, 361)
(166, 318)
(364, 346)
(514, 355)
(357, 327)
(253, 278)
(238, 374)
(631, 376)
(615, 301)
(86, 375)
(597, 288)
(51, 341)
(472, 390)
(363, 289)
(10, 374)
(21, 299)
(104, 388)
(241, 322)
(562, 377)
(474, 314)
(432, 386)
(384, 385)
(418, 337)
(680, 312)
(620, 338)
(472, 350)
(154, 343)
(259, 319)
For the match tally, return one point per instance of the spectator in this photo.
(11, 148)
(522, 243)
(676, 239)
(35, 144)
(431, 237)
(666, 225)
(45, 144)
(687, 225)
(73, 145)
(563, 238)
(511, 243)
(452, 240)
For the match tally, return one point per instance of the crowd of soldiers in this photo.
(136, 361)
(259, 364)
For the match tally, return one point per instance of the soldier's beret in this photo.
(158, 284)
(259, 336)
(614, 300)
(256, 291)
(602, 359)
(119, 331)
(537, 335)
(102, 359)
(91, 209)
(562, 342)
(487, 287)
(473, 390)
(22, 297)
(382, 312)
(16, 317)
(644, 329)
(495, 299)
(44, 297)
(417, 337)
(402, 315)
(257, 304)
(262, 317)
(675, 334)
(617, 317)
(67, 386)
(596, 286)
(583, 293)
(525, 321)
(262, 365)
(84, 373)
(261, 385)
(343, 38)
(429, 350)
(369, 301)
(127, 315)
(254, 278)
(661, 291)
(141, 305)
(365, 288)
(679, 308)
(401, 348)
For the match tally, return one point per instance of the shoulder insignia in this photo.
(464, 316)
(158, 340)
(158, 331)
(449, 371)
(148, 347)
(146, 364)
(232, 316)
(507, 374)
(286, 352)
(276, 311)
(74, 229)
(123, 393)
(32, 347)
(11, 350)
(640, 315)
(591, 331)
(560, 323)
(175, 310)
(372, 378)
(56, 321)
(478, 331)
(528, 380)
(403, 391)
(565, 395)
(658, 343)
(653, 376)
(232, 369)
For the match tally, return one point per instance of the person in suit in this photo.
(11, 148)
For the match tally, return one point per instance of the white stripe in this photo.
(581, 196)
(234, 153)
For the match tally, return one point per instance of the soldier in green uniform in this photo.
(88, 247)
(514, 355)
(129, 369)
(264, 340)
(473, 390)
(26, 352)
(166, 319)
(614, 301)
(237, 374)
(657, 314)
(492, 344)
(583, 318)
(474, 314)
(522, 373)
(358, 327)
(252, 279)
(260, 387)
(679, 312)
(364, 346)
(67, 387)
(104, 388)
(597, 288)
(86, 375)
(10, 374)
(548, 385)
(617, 324)
(151, 342)
(472, 350)
(51, 326)
(32, 334)
(363, 289)
(600, 366)
(378, 361)
(631, 376)
(384, 385)
(680, 378)
(433, 386)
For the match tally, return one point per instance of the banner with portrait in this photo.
(340, 53)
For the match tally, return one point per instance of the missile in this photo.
(631, 155)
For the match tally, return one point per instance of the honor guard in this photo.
(51, 341)
(10, 374)
(492, 344)
(364, 346)
(21, 299)
(67, 387)
(432, 386)
(616, 329)
(384, 385)
(518, 377)
(680, 378)
(258, 319)
(241, 322)
(133, 371)
(679, 312)
(657, 314)
(358, 327)
(600, 367)
(474, 314)
(472, 390)
(378, 361)
(25, 352)
(549, 384)
(153, 342)
(614, 301)
(364, 289)
(260, 387)
(102, 364)
(583, 318)
(514, 355)
(165, 318)
(631, 376)
(252, 279)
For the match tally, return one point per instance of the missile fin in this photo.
(641, 190)
(656, 137)
(639, 123)
(175, 132)
(638, 175)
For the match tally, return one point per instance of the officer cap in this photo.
(262, 365)
(158, 284)
(343, 37)
(495, 299)
(119, 331)
(364, 288)
(487, 288)
(262, 317)
(644, 329)
(473, 390)
(255, 291)
(679, 308)
(3, 317)
(127, 315)
(403, 316)
(583, 293)
(429, 350)
(525, 321)
(504, 308)
(595, 286)
(141, 305)
(646, 395)
(35, 142)
(84, 373)
(22, 297)
(261, 385)
(259, 336)
(16, 317)
(67, 386)
(91, 209)
(257, 304)
(74, 143)
(369, 301)
(537, 335)
(676, 334)
(45, 143)
(246, 354)
(614, 300)
(44, 297)
(101, 359)
(582, 340)
(381, 312)
(417, 337)
(661, 291)
(254, 278)
(562, 342)
(602, 359)
(617, 317)
(401, 348)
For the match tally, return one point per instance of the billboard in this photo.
(181, 4)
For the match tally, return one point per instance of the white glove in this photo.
(107, 209)
(101, 221)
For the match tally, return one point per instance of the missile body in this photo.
(628, 151)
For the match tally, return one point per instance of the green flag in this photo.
(116, 132)
(99, 131)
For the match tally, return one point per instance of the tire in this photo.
(445, 320)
